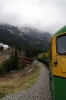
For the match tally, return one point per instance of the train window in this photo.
(61, 44)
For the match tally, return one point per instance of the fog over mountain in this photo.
(12, 35)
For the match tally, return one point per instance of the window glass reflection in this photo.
(61, 44)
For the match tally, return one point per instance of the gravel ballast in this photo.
(39, 91)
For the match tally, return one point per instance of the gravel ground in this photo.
(39, 91)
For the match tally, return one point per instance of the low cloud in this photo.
(45, 15)
(4, 46)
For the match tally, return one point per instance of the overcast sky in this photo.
(45, 15)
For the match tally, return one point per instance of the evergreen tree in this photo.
(1, 48)
(15, 59)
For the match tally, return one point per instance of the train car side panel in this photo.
(58, 66)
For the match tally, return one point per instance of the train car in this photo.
(57, 64)
(40, 57)
(44, 57)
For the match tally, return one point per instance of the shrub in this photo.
(2, 71)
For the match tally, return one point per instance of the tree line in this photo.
(13, 62)
(9, 64)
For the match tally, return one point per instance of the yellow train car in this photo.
(57, 64)
(40, 56)
(44, 57)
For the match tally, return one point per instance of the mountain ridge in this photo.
(26, 35)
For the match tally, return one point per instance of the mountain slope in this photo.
(24, 36)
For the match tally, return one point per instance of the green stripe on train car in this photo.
(60, 31)
(59, 88)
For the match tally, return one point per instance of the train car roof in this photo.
(60, 31)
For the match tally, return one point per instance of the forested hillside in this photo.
(24, 37)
